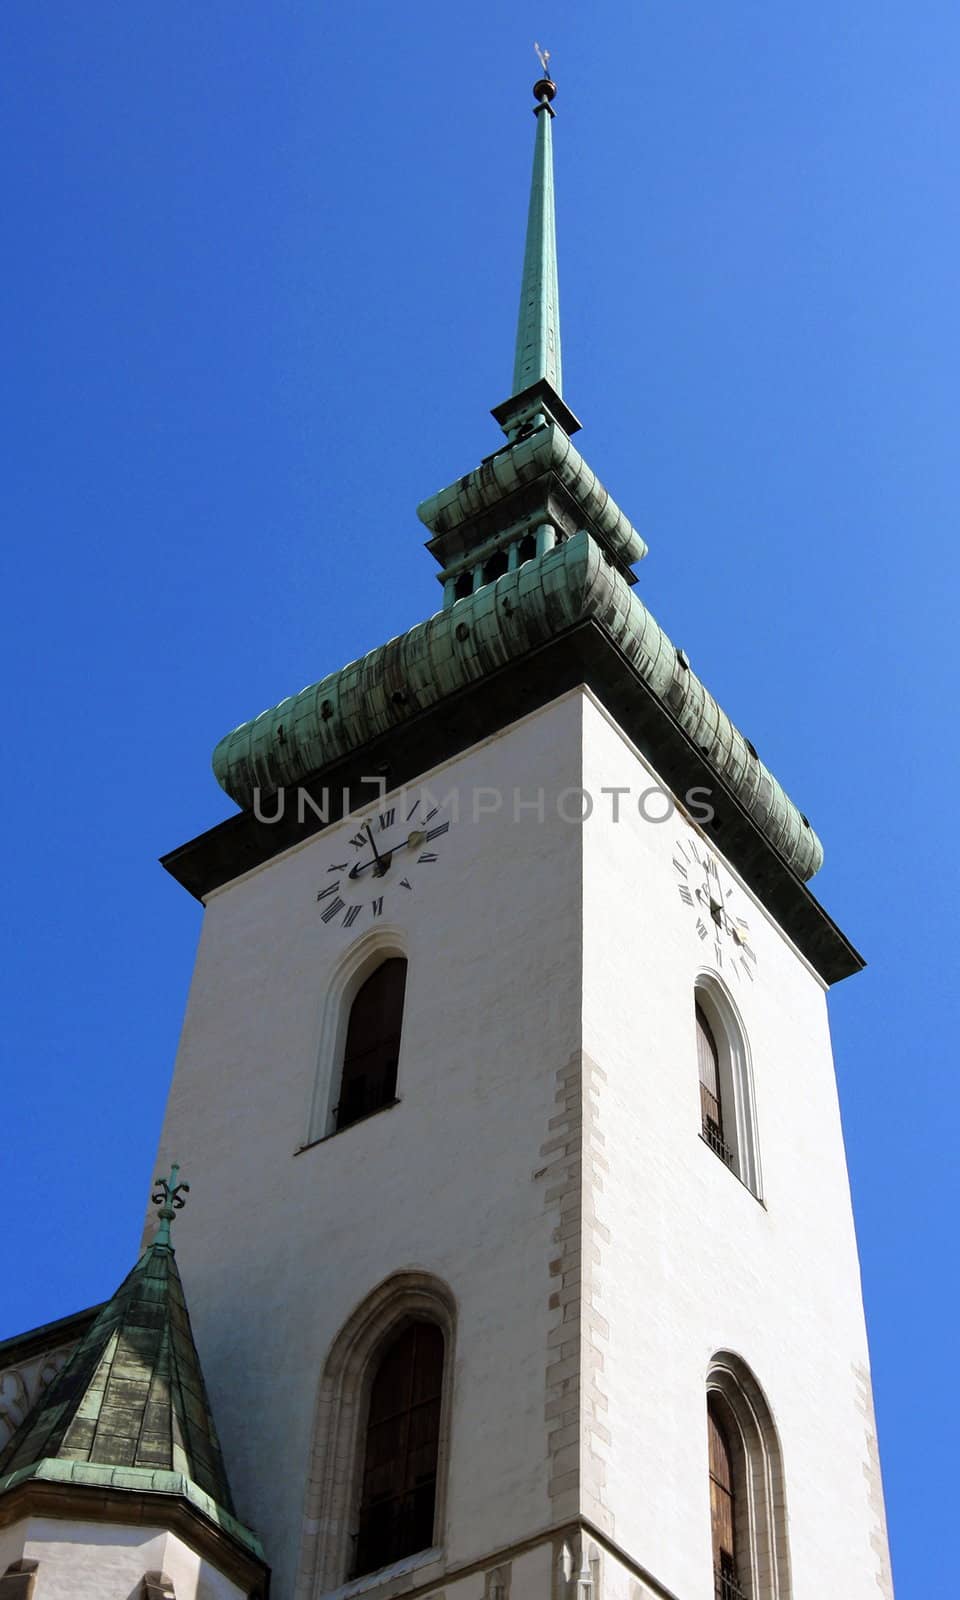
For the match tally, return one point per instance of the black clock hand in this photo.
(381, 865)
(360, 867)
(412, 841)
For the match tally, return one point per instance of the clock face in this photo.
(712, 896)
(378, 867)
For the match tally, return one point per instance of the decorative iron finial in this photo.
(168, 1197)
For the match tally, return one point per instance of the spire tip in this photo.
(544, 90)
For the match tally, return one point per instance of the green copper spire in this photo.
(129, 1412)
(537, 369)
(538, 325)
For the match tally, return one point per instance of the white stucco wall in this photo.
(527, 943)
(277, 1249)
(690, 1262)
(107, 1561)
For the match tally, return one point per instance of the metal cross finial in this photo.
(543, 56)
(168, 1197)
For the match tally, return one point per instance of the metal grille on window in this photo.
(369, 1078)
(722, 1513)
(711, 1111)
(400, 1462)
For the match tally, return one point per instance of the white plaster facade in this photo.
(86, 1560)
(543, 1164)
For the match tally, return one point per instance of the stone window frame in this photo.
(354, 967)
(336, 1460)
(735, 1072)
(763, 1556)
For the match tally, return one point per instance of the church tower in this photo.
(520, 1253)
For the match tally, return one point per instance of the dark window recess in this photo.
(528, 548)
(399, 1494)
(722, 1511)
(726, 1587)
(711, 1111)
(369, 1078)
(463, 586)
(496, 566)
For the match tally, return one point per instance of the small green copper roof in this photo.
(538, 325)
(519, 486)
(130, 1408)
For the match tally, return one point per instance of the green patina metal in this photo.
(129, 1410)
(137, 1480)
(530, 544)
(538, 324)
(541, 478)
(168, 1198)
(503, 622)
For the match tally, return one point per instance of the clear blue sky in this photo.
(250, 249)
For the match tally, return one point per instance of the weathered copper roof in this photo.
(130, 1409)
(503, 622)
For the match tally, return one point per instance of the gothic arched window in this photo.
(369, 1077)
(723, 1519)
(747, 1500)
(399, 1484)
(727, 1114)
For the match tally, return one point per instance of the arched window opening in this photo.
(399, 1485)
(528, 548)
(369, 1078)
(339, 1491)
(496, 566)
(463, 586)
(723, 1517)
(711, 1106)
(748, 1511)
(727, 1113)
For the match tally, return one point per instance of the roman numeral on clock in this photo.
(330, 889)
(434, 833)
(386, 819)
(353, 913)
(332, 910)
(685, 894)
